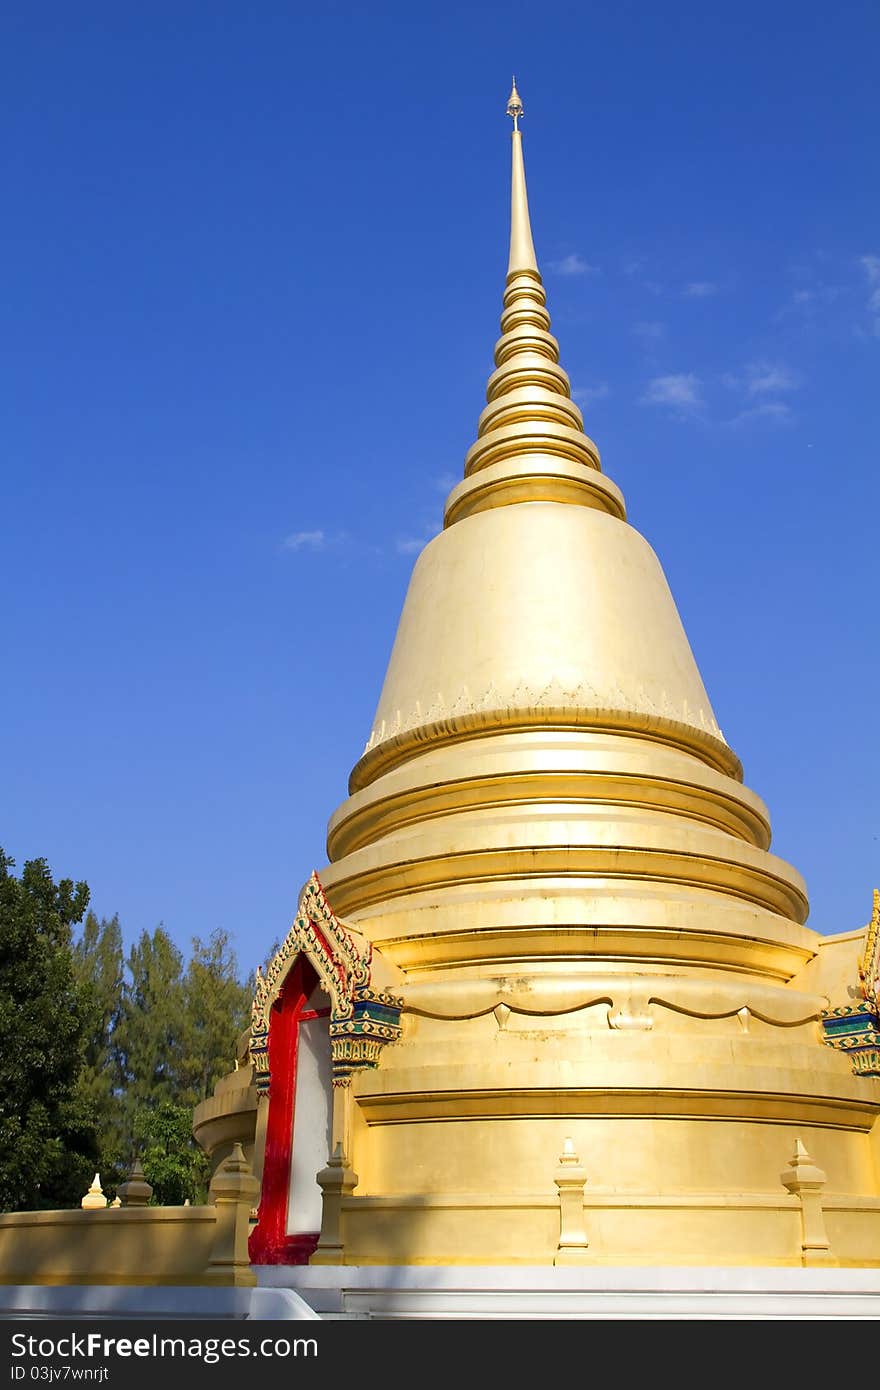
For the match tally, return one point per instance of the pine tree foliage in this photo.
(150, 1034)
(99, 967)
(216, 1010)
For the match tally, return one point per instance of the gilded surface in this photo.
(549, 840)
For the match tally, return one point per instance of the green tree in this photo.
(150, 1032)
(100, 970)
(48, 1144)
(172, 1160)
(216, 1010)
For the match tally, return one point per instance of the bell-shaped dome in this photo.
(544, 749)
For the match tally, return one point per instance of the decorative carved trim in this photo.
(867, 1063)
(357, 1041)
(362, 1020)
(869, 965)
(855, 1028)
(620, 1004)
(393, 741)
(554, 696)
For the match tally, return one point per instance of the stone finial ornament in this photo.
(94, 1200)
(337, 1181)
(805, 1180)
(233, 1191)
(135, 1191)
(571, 1179)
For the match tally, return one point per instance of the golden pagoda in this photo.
(553, 1001)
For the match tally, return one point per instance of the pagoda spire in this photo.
(522, 248)
(531, 445)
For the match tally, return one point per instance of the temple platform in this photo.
(529, 1292)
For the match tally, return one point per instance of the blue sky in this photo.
(251, 272)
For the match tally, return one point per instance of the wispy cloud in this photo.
(586, 395)
(763, 378)
(770, 378)
(778, 411)
(416, 541)
(305, 540)
(808, 299)
(871, 266)
(635, 268)
(758, 382)
(445, 482)
(650, 331)
(411, 545)
(683, 391)
(573, 264)
(700, 289)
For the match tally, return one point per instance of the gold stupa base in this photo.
(655, 1139)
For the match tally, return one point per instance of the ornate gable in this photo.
(869, 966)
(362, 1020)
(855, 1029)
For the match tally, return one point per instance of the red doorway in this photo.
(270, 1241)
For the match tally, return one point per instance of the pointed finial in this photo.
(514, 105)
(569, 1158)
(522, 249)
(94, 1199)
(802, 1173)
(135, 1191)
